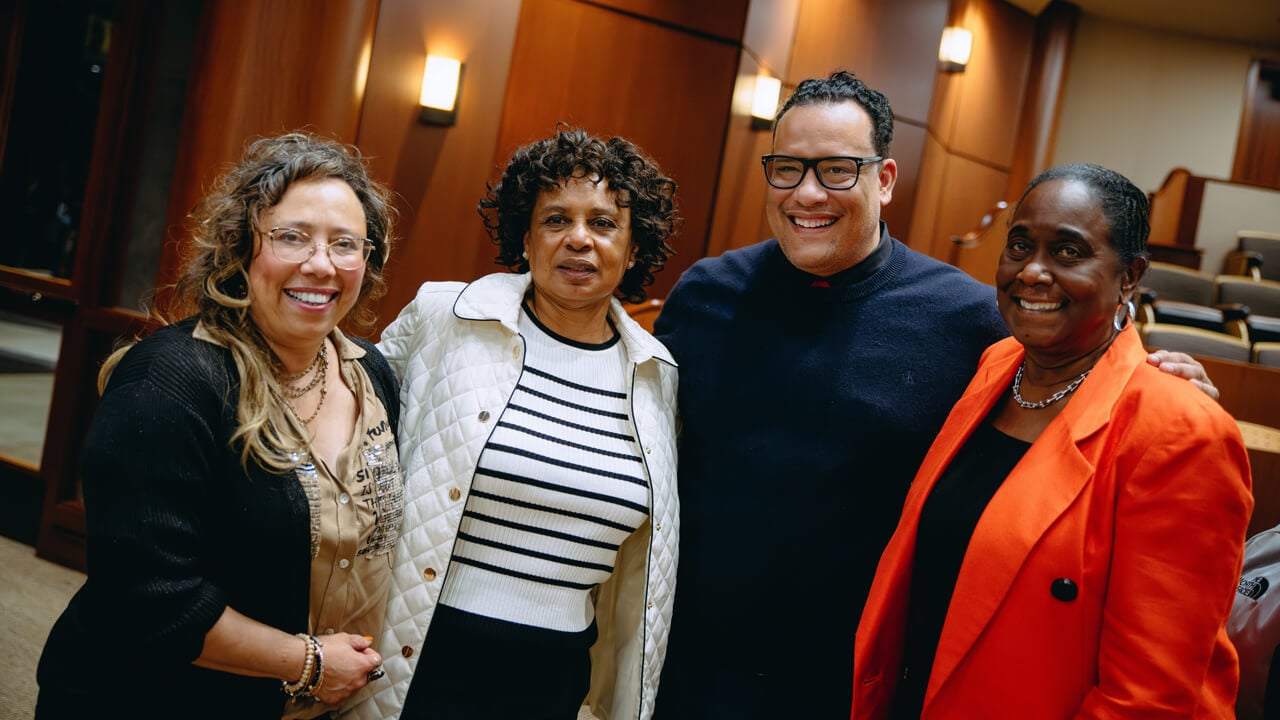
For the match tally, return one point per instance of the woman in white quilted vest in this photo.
(535, 573)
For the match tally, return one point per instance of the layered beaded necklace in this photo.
(1017, 390)
(319, 366)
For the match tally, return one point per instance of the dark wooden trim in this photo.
(22, 281)
(112, 168)
(1176, 255)
(108, 191)
(1253, 136)
(62, 534)
(1189, 215)
(14, 17)
(1046, 84)
(120, 321)
(733, 39)
(24, 493)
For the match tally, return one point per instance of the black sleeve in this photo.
(150, 463)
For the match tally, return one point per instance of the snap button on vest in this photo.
(1064, 589)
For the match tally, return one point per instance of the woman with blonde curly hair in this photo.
(241, 481)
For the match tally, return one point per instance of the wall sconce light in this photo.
(953, 53)
(441, 81)
(764, 102)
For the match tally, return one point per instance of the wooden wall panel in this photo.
(986, 119)
(974, 122)
(1257, 159)
(969, 190)
(438, 173)
(930, 190)
(1046, 85)
(264, 68)
(721, 18)
(738, 219)
(891, 44)
(908, 150)
(614, 74)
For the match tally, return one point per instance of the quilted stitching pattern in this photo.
(457, 351)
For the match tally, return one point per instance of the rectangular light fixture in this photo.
(764, 101)
(441, 83)
(954, 51)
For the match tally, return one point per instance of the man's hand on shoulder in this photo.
(1184, 366)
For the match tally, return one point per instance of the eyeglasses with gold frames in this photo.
(297, 246)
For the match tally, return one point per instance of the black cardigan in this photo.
(177, 530)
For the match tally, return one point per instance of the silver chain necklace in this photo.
(1017, 390)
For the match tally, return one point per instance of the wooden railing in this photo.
(1194, 219)
(977, 252)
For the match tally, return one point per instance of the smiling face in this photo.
(823, 231)
(295, 305)
(1060, 281)
(579, 244)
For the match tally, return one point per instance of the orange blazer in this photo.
(1138, 492)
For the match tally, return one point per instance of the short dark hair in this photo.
(1123, 205)
(635, 181)
(842, 86)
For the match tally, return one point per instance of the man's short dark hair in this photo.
(842, 86)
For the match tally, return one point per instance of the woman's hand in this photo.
(348, 660)
(1184, 366)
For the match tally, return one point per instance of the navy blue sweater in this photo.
(805, 411)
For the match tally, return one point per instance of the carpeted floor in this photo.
(32, 595)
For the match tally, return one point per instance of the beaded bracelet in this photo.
(296, 689)
(318, 676)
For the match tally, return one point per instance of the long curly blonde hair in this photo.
(214, 284)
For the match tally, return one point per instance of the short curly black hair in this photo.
(842, 86)
(1123, 204)
(634, 179)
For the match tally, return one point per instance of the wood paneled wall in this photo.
(973, 126)
(612, 73)
(264, 68)
(724, 19)
(1257, 158)
(739, 218)
(438, 173)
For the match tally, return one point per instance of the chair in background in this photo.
(1267, 353)
(1195, 341)
(1257, 255)
(644, 312)
(1260, 297)
(1182, 296)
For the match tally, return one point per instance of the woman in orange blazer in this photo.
(1071, 544)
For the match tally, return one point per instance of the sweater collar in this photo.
(497, 297)
(847, 284)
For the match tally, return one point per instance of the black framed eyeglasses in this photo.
(296, 246)
(837, 172)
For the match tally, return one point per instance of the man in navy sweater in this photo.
(815, 370)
